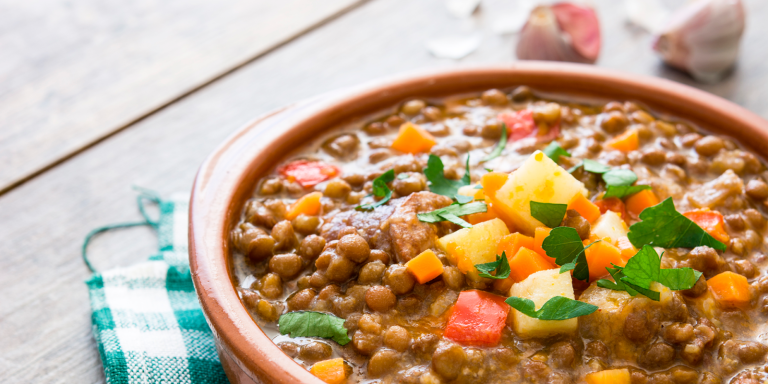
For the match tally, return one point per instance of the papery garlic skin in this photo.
(703, 38)
(560, 32)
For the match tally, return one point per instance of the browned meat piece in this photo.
(369, 224)
(409, 235)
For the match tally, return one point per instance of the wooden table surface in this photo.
(96, 97)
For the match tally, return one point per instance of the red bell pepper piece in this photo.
(520, 125)
(613, 204)
(308, 173)
(710, 221)
(477, 319)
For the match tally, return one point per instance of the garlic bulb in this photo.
(702, 38)
(560, 32)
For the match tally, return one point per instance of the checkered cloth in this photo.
(146, 318)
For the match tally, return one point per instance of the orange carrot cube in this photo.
(425, 267)
(730, 289)
(413, 139)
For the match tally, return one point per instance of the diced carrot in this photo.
(640, 201)
(626, 142)
(601, 255)
(527, 262)
(513, 242)
(610, 376)
(477, 318)
(625, 246)
(477, 194)
(308, 204)
(585, 208)
(613, 204)
(425, 267)
(539, 235)
(413, 139)
(730, 289)
(492, 181)
(710, 221)
(308, 173)
(330, 371)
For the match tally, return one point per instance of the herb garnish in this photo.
(618, 183)
(452, 212)
(643, 269)
(439, 183)
(554, 151)
(556, 308)
(591, 166)
(380, 189)
(313, 324)
(549, 214)
(565, 246)
(500, 266)
(663, 226)
(464, 199)
(496, 152)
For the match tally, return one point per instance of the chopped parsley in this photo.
(663, 226)
(380, 189)
(565, 246)
(548, 214)
(313, 324)
(464, 199)
(645, 268)
(496, 152)
(452, 212)
(439, 183)
(591, 166)
(500, 267)
(556, 308)
(618, 183)
(554, 151)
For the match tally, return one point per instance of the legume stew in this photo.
(511, 237)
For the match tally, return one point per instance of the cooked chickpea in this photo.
(337, 189)
(380, 298)
(354, 247)
(286, 265)
(305, 224)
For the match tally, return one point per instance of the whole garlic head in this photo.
(560, 32)
(702, 38)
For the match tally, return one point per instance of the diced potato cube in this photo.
(538, 179)
(610, 225)
(470, 190)
(539, 288)
(477, 245)
(610, 376)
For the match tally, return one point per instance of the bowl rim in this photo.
(227, 176)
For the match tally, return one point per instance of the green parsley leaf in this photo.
(380, 189)
(619, 177)
(663, 226)
(496, 152)
(623, 191)
(438, 182)
(402, 176)
(313, 324)
(565, 245)
(594, 166)
(556, 308)
(643, 269)
(549, 214)
(456, 220)
(463, 199)
(479, 186)
(500, 266)
(488, 169)
(554, 151)
(453, 212)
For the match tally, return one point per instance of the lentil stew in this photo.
(406, 248)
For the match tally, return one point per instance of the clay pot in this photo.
(228, 177)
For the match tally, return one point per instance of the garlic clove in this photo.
(560, 32)
(703, 38)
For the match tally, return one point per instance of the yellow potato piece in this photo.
(476, 245)
(539, 288)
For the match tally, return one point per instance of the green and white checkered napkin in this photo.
(147, 320)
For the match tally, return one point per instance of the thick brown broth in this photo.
(396, 324)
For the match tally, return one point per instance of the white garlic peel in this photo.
(703, 38)
(560, 32)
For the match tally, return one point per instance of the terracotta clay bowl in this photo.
(228, 177)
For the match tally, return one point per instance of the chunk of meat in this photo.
(714, 193)
(369, 224)
(409, 235)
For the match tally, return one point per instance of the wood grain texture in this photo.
(45, 318)
(74, 72)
